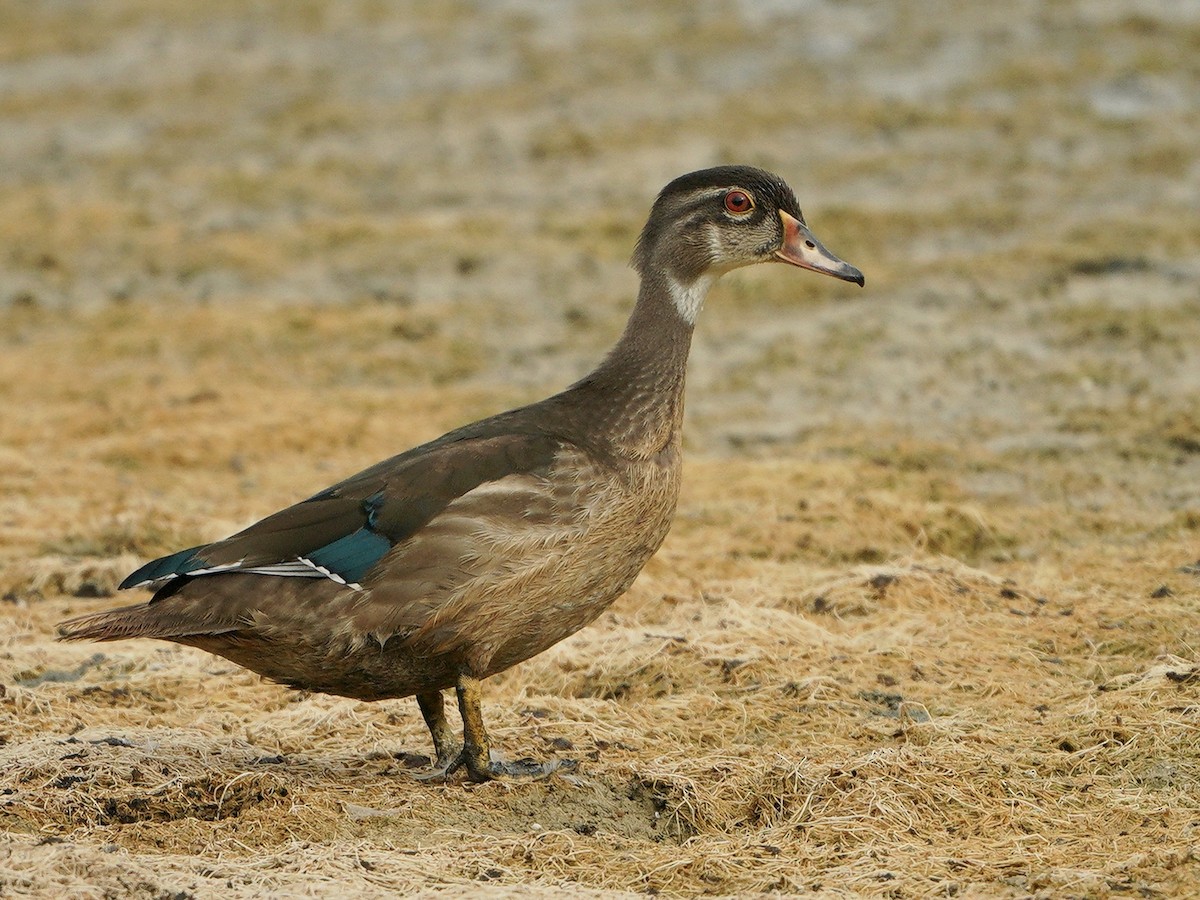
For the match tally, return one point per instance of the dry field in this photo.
(928, 623)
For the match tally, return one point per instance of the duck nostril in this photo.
(810, 245)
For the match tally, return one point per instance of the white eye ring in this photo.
(738, 202)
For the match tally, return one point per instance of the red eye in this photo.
(738, 202)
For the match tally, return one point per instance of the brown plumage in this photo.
(462, 557)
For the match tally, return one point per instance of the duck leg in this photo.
(476, 753)
(477, 746)
(445, 744)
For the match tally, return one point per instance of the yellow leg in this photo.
(476, 753)
(477, 748)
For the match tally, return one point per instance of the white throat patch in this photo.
(690, 297)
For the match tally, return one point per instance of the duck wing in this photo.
(342, 532)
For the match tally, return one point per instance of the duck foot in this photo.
(474, 754)
(530, 769)
(442, 767)
(438, 774)
(520, 770)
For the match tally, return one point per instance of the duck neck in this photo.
(637, 390)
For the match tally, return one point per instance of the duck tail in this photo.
(113, 625)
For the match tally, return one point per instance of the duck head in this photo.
(709, 222)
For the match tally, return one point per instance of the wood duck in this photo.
(469, 554)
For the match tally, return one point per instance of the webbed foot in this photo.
(495, 769)
(444, 766)
(474, 753)
(530, 769)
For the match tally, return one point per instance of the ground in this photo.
(927, 622)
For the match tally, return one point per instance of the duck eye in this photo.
(738, 202)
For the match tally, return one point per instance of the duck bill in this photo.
(801, 248)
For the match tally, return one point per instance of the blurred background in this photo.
(1020, 183)
(926, 620)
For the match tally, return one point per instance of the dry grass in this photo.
(917, 727)
(927, 623)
